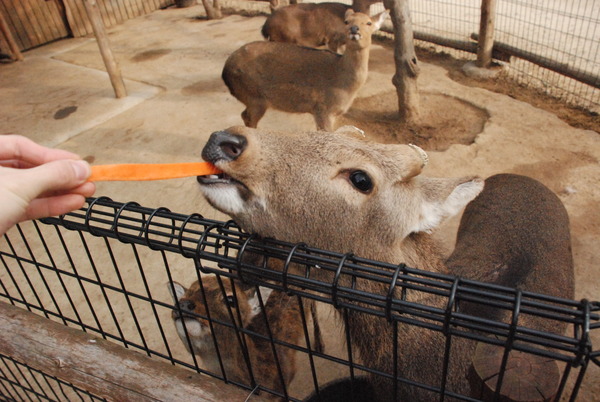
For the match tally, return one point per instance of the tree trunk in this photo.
(486, 33)
(112, 67)
(407, 65)
(213, 11)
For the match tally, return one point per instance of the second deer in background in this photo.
(296, 79)
(312, 24)
(308, 24)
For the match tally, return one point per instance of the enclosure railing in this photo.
(106, 270)
(552, 46)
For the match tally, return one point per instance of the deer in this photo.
(308, 24)
(312, 24)
(227, 300)
(344, 193)
(515, 234)
(297, 79)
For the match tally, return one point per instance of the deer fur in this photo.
(516, 234)
(297, 79)
(363, 6)
(308, 24)
(281, 310)
(305, 187)
(312, 24)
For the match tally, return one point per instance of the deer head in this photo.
(337, 191)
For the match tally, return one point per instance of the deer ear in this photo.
(254, 301)
(379, 18)
(349, 12)
(176, 290)
(444, 198)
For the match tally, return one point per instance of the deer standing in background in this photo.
(343, 193)
(284, 319)
(297, 79)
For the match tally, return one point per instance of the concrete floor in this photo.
(60, 96)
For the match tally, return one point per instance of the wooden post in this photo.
(12, 44)
(486, 33)
(112, 68)
(407, 65)
(102, 367)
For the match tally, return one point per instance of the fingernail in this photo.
(82, 169)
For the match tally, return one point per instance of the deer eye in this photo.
(361, 181)
(346, 22)
(231, 301)
(369, 23)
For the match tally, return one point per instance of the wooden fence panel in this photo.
(33, 22)
(113, 12)
(77, 17)
(36, 22)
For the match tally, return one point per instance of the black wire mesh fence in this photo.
(111, 269)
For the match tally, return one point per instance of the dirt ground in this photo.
(172, 61)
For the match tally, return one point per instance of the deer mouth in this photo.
(183, 315)
(225, 193)
(211, 179)
(355, 36)
(192, 327)
(220, 179)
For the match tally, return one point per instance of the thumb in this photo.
(56, 176)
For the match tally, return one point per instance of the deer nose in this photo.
(224, 146)
(187, 305)
(354, 29)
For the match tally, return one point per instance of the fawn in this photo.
(233, 306)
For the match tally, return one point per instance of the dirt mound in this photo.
(445, 120)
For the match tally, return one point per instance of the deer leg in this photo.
(325, 121)
(253, 114)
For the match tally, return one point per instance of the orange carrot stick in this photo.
(143, 171)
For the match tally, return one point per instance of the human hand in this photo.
(37, 182)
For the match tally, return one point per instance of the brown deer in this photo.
(281, 311)
(297, 79)
(343, 193)
(515, 234)
(309, 24)
(312, 24)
